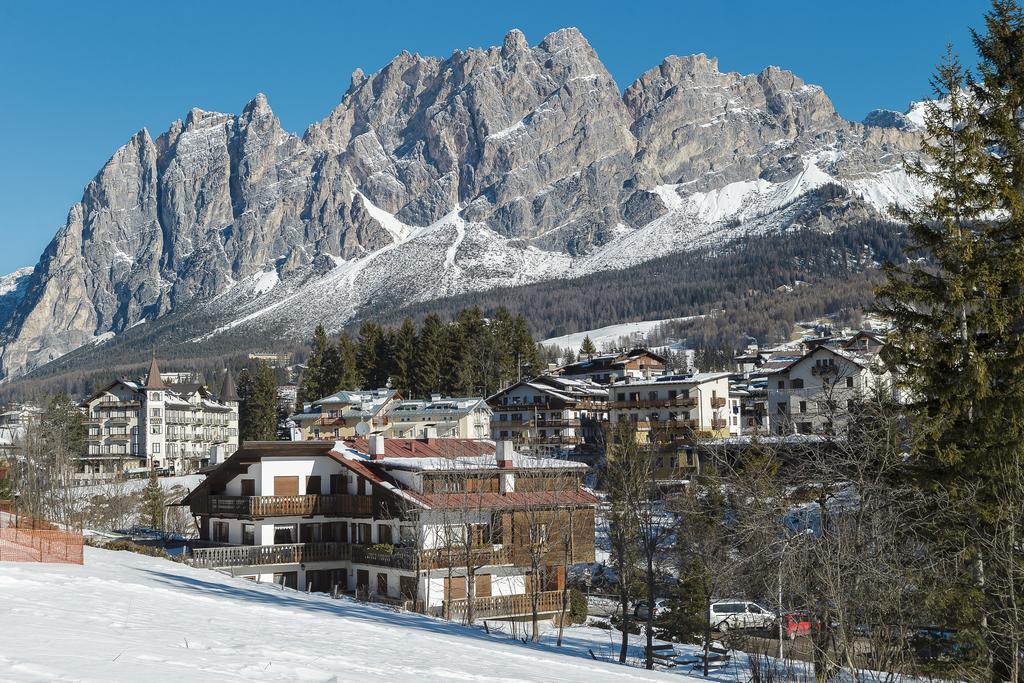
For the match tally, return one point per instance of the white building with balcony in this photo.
(439, 417)
(159, 423)
(815, 393)
(429, 524)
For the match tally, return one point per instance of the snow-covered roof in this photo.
(439, 408)
(697, 378)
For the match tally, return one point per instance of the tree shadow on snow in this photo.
(244, 591)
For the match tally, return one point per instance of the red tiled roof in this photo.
(427, 448)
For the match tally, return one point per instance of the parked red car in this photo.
(796, 624)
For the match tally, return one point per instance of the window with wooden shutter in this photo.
(338, 484)
(286, 486)
(248, 487)
(483, 585)
(455, 588)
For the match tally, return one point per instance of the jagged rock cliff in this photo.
(435, 176)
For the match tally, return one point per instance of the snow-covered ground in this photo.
(188, 481)
(610, 335)
(126, 617)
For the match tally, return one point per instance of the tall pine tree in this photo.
(311, 383)
(958, 319)
(428, 370)
(257, 393)
(404, 358)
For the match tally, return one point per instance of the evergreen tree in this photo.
(348, 373)
(331, 374)
(312, 381)
(525, 349)
(587, 348)
(958, 317)
(457, 370)
(429, 357)
(371, 342)
(153, 503)
(404, 359)
(257, 393)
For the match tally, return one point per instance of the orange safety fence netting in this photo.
(40, 545)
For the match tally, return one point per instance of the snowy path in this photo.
(126, 617)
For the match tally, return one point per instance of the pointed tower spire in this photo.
(153, 380)
(227, 390)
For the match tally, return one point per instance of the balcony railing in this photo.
(434, 558)
(399, 558)
(505, 605)
(284, 506)
(260, 555)
(677, 402)
(719, 424)
(718, 402)
(439, 558)
(558, 422)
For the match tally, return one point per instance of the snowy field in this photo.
(126, 617)
(609, 336)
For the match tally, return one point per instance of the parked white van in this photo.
(727, 614)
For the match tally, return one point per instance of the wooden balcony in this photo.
(677, 402)
(719, 424)
(718, 402)
(439, 558)
(497, 606)
(257, 507)
(558, 422)
(435, 558)
(261, 555)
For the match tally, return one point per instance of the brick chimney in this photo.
(376, 442)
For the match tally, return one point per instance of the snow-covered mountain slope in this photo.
(610, 335)
(452, 256)
(490, 168)
(126, 617)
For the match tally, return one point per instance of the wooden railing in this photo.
(718, 402)
(284, 506)
(434, 558)
(399, 558)
(259, 555)
(678, 402)
(558, 422)
(439, 558)
(505, 605)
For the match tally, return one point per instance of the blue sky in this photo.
(78, 79)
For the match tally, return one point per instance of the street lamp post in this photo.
(782, 559)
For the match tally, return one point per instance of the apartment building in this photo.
(814, 393)
(168, 421)
(439, 417)
(550, 414)
(610, 368)
(429, 524)
(670, 414)
(336, 416)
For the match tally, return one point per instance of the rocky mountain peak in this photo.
(432, 175)
(514, 43)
